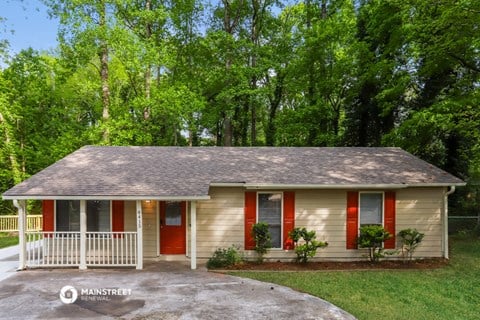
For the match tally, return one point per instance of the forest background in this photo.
(401, 73)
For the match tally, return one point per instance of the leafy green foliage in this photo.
(305, 243)
(263, 239)
(411, 239)
(224, 257)
(372, 238)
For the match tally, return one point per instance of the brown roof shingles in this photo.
(188, 172)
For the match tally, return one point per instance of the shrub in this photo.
(372, 238)
(411, 239)
(263, 239)
(308, 245)
(224, 257)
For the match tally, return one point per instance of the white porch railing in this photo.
(111, 248)
(10, 223)
(62, 249)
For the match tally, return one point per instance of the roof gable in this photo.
(181, 172)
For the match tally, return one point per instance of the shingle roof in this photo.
(163, 172)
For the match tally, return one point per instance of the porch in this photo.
(85, 248)
(62, 249)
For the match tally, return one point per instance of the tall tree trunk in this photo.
(227, 132)
(148, 72)
(102, 11)
(258, 10)
(274, 105)
(231, 20)
(310, 57)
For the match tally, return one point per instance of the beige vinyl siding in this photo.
(220, 221)
(422, 208)
(130, 216)
(150, 239)
(325, 212)
(149, 220)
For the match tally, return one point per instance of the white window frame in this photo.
(360, 205)
(55, 214)
(281, 214)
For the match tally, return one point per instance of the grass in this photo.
(452, 292)
(7, 239)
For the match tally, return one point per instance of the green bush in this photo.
(308, 245)
(263, 239)
(224, 257)
(411, 239)
(372, 238)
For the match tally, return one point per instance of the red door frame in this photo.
(173, 239)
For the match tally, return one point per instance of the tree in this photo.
(86, 30)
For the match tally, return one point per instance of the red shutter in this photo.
(250, 218)
(389, 218)
(118, 216)
(288, 218)
(352, 219)
(48, 210)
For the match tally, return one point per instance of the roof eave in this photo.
(384, 186)
(106, 197)
(323, 186)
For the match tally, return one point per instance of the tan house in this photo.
(116, 206)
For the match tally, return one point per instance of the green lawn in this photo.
(452, 292)
(7, 240)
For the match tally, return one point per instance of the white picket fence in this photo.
(62, 249)
(10, 223)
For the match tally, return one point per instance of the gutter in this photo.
(445, 221)
(98, 197)
(255, 186)
(277, 186)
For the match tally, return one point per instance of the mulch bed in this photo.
(330, 265)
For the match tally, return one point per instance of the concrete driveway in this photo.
(163, 290)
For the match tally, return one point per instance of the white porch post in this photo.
(139, 236)
(21, 206)
(83, 235)
(193, 235)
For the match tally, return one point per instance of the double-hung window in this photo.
(371, 208)
(68, 215)
(270, 212)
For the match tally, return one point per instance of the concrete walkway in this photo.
(163, 290)
(8, 261)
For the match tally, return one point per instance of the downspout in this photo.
(445, 221)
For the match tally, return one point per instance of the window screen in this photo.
(98, 215)
(68, 215)
(371, 208)
(270, 211)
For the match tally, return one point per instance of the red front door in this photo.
(173, 227)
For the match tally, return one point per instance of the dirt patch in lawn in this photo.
(330, 265)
